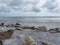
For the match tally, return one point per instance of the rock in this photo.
(55, 30)
(17, 24)
(6, 35)
(30, 41)
(17, 28)
(10, 25)
(43, 43)
(2, 24)
(52, 31)
(28, 27)
(1, 42)
(42, 28)
(32, 27)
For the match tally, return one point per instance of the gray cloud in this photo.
(52, 6)
(20, 5)
(29, 6)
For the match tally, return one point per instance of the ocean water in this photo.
(36, 21)
(29, 19)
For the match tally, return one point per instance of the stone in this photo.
(6, 34)
(30, 41)
(28, 27)
(52, 31)
(44, 43)
(32, 27)
(10, 25)
(17, 24)
(2, 24)
(1, 42)
(55, 30)
(17, 28)
(42, 28)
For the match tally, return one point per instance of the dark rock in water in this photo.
(43, 43)
(2, 24)
(29, 27)
(10, 25)
(17, 28)
(1, 43)
(55, 30)
(52, 31)
(17, 24)
(32, 27)
(42, 28)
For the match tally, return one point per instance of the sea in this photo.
(37, 21)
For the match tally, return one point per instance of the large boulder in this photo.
(6, 35)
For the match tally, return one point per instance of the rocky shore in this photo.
(28, 39)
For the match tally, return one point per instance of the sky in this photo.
(29, 7)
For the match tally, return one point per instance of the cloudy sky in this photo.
(29, 7)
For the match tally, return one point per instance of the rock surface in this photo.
(6, 35)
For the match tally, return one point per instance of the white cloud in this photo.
(32, 6)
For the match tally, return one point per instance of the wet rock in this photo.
(32, 27)
(6, 35)
(2, 24)
(55, 30)
(42, 28)
(17, 24)
(30, 41)
(17, 28)
(1, 43)
(52, 31)
(10, 25)
(43, 43)
(28, 27)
